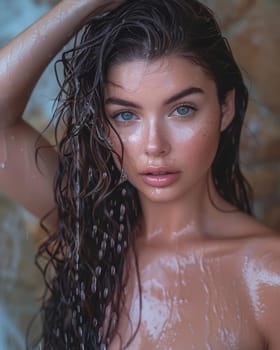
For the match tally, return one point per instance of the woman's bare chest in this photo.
(189, 302)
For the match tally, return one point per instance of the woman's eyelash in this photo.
(181, 110)
(126, 115)
(184, 109)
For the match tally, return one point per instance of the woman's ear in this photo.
(228, 109)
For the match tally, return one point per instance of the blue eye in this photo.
(183, 110)
(124, 116)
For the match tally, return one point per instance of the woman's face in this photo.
(169, 119)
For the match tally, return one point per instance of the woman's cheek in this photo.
(181, 134)
(130, 139)
(206, 144)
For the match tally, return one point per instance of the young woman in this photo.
(150, 242)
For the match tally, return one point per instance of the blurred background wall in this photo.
(254, 34)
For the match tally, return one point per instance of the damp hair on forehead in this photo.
(84, 262)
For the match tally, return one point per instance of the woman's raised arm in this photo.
(22, 62)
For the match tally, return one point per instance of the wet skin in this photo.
(169, 120)
(209, 278)
(211, 294)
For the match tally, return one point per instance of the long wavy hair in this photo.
(84, 261)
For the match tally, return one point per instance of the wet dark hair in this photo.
(99, 214)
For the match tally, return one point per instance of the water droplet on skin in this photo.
(119, 249)
(100, 333)
(94, 323)
(83, 296)
(113, 270)
(57, 333)
(100, 254)
(80, 331)
(125, 244)
(122, 209)
(112, 243)
(2, 165)
(93, 285)
(105, 293)
(90, 173)
(98, 270)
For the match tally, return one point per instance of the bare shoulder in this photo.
(241, 225)
(261, 272)
(259, 248)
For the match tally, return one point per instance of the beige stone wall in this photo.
(252, 27)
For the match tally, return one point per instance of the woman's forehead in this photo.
(160, 73)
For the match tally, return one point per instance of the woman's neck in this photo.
(188, 217)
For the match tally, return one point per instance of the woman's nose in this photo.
(156, 140)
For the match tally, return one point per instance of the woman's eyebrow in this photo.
(186, 92)
(121, 102)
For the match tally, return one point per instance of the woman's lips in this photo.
(159, 178)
